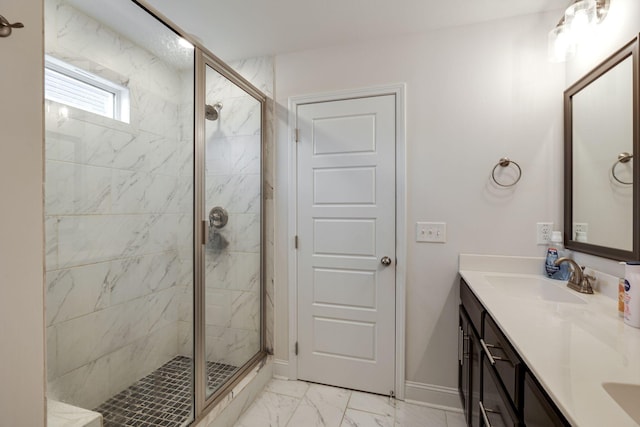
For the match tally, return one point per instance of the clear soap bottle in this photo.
(556, 250)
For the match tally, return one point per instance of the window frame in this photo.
(121, 96)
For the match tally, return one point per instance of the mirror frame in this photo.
(631, 49)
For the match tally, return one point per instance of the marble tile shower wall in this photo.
(118, 206)
(260, 72)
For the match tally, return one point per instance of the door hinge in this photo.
(295, 242)
(296, 135)
(295, 349)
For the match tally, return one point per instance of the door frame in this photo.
(401, 224)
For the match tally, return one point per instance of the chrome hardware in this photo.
(385, 260)
(218, 217)
(212, 112)
(491, 357)
(505, 162)
(578, 281)
(484, 412)
(6, 26)
(623, 158)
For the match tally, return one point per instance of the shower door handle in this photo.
(205, 231)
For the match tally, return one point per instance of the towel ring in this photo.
(622, 158)
(505, 162)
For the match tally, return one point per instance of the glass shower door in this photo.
(119, 148)
(232, 213)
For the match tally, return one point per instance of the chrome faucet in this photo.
(578, 281)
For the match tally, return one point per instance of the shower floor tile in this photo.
(162, 398)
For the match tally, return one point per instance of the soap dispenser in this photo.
(556, 250)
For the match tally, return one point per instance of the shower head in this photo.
(212, 112)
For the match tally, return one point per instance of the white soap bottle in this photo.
(632, 294)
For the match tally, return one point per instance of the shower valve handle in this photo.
(6, 26)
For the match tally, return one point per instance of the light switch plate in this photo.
(431, 232)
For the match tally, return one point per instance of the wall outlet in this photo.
(544, 230)
(580, 231)
(434, 232)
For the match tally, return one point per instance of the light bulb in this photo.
(561, 44)
(580, 17)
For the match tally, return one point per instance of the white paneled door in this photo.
(346, 242)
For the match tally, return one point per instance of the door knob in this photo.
(385, 260)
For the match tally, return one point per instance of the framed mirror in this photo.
(602, 139)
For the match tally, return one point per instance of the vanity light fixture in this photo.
(578, 20)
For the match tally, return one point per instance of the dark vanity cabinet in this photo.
(539, 410)
(495, 406)
(469, 369)
(496, 388)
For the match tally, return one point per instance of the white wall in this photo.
(21, 225)
(621, 25)
(474, 94)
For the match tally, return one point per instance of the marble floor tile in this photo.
(410, 415)
(288, 388)
(353, 418)
(300, 404)
(321, 406)
(269, 409)
(375, 403)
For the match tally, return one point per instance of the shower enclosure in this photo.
(153, 216)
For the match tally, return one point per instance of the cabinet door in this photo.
(539, 410)
(464, 371)
(474, 379)
(496, 409)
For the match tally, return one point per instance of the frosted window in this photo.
(77, 88)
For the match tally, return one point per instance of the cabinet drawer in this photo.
(508, 365)
(495, 407)
(472, 306)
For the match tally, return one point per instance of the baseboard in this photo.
(432, 395)
(281, 369)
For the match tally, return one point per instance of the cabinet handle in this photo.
(484, 412)
(492, 358)
(460, 343)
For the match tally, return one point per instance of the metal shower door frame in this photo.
(203, 58)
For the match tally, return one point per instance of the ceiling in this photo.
(234, 29)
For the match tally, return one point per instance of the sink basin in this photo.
(627, 396)
(532, 287)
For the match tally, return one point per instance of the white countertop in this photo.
(571, 348)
